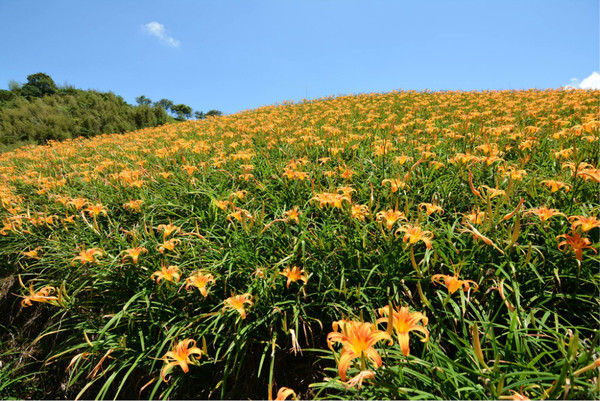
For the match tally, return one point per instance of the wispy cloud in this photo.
(591, 82)
(158, 30)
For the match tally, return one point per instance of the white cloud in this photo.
(591, 82)
(157, 29)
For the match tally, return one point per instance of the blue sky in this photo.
(237, 55)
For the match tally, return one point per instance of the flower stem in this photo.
(414, 262)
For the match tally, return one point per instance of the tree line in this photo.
(39, 111)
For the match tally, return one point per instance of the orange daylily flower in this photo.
(237, 302)
(582, 166)
(357, 339)
(294, 175)
(390, 217)
(70, 219)
(345, 172)
(134, 205)
(134, 253)
(402, 159)
(359, 212)
(199, 280)
(189, 169)
(359, 378)
(78, 203)
(475, 216)
(88, 256)
(292, 215)
(453, 283)
(493, 192)
(590, 174)
(461, 158)
(259, 272)
(294, 274)
(436, 165)
(544, 213)
(168, 245)
(96, 210)
(239, 215)
(284, 393)
(414, 234)
(180, 355)
(554, 185)
(171, 274)
(58, 198)
(428, 155)
(403, 323)
(238, 194)
(324, 198)
(32, 254)
(584, 223)
(513, 173)
(346, 192)
(331, 199)
(576, 243)
(395, 184)
(431, 208)
(42, 295)
(563, 153)
(10, 226)
(42, 219)
(222, 204)
(168, 229)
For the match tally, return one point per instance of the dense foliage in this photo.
(39, 111)
(307, 248)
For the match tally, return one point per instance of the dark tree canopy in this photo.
(143, 100)
(30, 91)
(214, 113)
(165, 104)
(43, 82)
(200, 115)
(182, 111)
(6, 95)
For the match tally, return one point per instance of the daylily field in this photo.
(436, 245)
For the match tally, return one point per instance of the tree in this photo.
(214, 113)
(165, 104)
(6, 96)
(14, 87)
(29, 91)
(200, 115)
(43, 82)
(143, 101)
(182, 111)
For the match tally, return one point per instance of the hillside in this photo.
(401, 245)
(40, 111)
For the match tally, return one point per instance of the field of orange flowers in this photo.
(437, 245)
